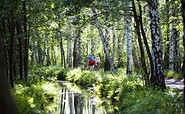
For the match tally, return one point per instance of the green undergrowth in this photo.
(38, 98)
(173, 74)
(40, 94)
(126, 94)
(48, 73)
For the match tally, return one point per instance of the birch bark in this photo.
(171, 49)
(69, 61)
(176, 52)
(157, 79)
(106, 51)
(129, 39)
(107, 43)
(113, 42)
(120, 41)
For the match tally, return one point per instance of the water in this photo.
(73, 101)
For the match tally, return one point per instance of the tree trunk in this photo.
(75, 53)
(135, 54)
(120, 50)
(11, 52)
(26, 42)
(158, 78)
(183, 14)
(92, 44)
(171, 50)
(176, 53)
(145, 41)
(113, 42)
(69, 53)
(143, 63)
(80, 56)
(62, 53)
(21, 59)
(106, 50)
(6, 102)
(129, 39)
(48, 60)
(107, 66)
(3, 32)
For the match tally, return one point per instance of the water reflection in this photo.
(73, 102)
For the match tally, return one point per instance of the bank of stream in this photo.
(77, 101)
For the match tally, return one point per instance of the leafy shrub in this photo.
(151, 101)
(48, 73)
(38, 98)
(83, 78)
(62, 75)
(126, 94)
(172, 74)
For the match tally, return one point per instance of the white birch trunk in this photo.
(113, 42)
(129, 39)
(69, 61)
(107, 35)
(157, 49)
(176, 51)
(92, 45)
(106, 50)
(171, 49)
(120, 48)
(79, 43)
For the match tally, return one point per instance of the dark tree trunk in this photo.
(11, 52)
(176, 51)
(145, 41)
(143, 63)
(183, 66)
(75, 54)
(26, 42)
(3, 32)
(20, 39)
(6, 102)
(106, 65)
(62, 53)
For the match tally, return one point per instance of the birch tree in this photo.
(107, 35)
(171, 49)
(69, 51)
(129, 37)
(157, 79)
(103, 39)
(113, 42)
(92, 44)
(140, 42)
(176, 52)
(120, 40)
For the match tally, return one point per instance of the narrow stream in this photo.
(74, 102)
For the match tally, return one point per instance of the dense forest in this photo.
(42, 41)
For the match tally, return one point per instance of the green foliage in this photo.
(48, 73)
(125, 94)
(38, 98)
(83, 78)
(173, 74)
(151, 101)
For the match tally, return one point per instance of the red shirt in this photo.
(91, 62)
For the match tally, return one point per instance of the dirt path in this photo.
(175, 83)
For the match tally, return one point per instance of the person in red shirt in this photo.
(91, 64)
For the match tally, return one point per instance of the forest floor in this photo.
(175, 83)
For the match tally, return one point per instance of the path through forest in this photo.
(175, 83)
